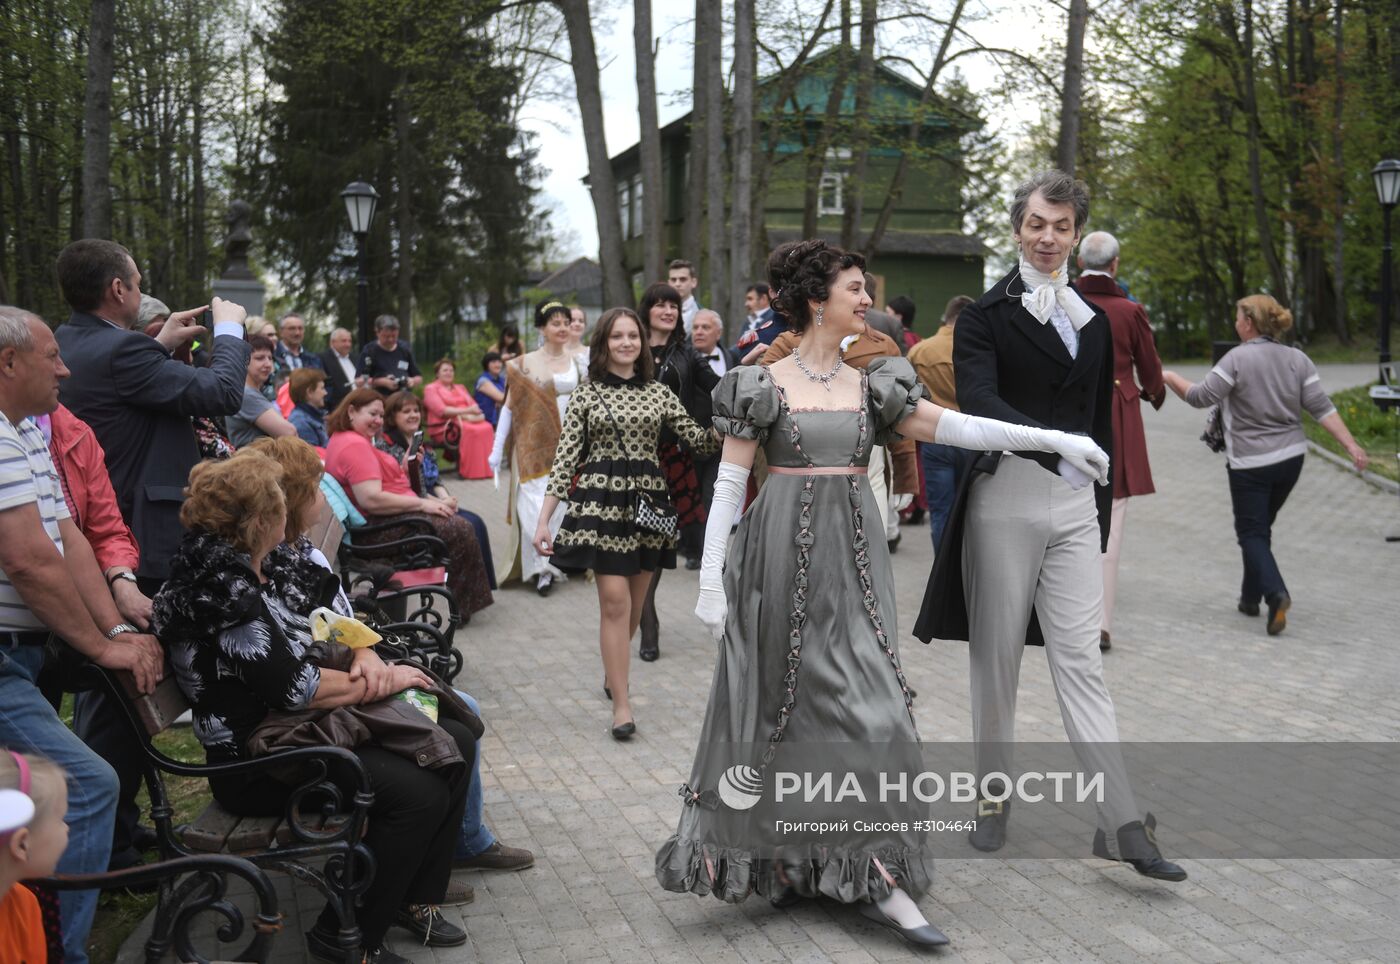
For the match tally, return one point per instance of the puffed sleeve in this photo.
(746, 404)
(894, 394)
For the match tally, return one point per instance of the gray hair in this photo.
(708, 311)
(291, 314)
(1098, 249)
(150, 310)
(1057, 187)
(341, 331)
(385, 323)
(14, 328)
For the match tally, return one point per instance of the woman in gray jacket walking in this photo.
(1261, 387)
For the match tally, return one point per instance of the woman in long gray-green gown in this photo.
(804, 600)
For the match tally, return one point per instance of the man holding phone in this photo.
(388, 364)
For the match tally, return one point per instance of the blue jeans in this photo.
(29, 724)
(941, 464)
(474, 838)
(1256, 496)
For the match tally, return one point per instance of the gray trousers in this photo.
(1031, 540)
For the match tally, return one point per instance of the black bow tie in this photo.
(714, 357)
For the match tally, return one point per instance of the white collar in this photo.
(1043, 293)
(1103, 274)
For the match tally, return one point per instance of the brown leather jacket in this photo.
(392, 724)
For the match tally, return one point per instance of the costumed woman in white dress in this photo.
(538, 387)
(803, 600)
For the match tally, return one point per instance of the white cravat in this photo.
(1049, 298)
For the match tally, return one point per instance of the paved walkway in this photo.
(1185, 667)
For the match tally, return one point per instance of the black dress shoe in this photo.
(1278, 610)
(1105, 641)
(623, 732)
(692, 563)
(144, 838)
(893, 544)
(649, 654)
(990, 832)
(924, 936)
(788, 898)
(1248, 608)
(1137, 847)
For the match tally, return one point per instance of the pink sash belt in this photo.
(819, 470)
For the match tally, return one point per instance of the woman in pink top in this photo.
(456, 422)
(382, 491)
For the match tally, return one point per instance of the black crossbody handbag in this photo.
(649, 513)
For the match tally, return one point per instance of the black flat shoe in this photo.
(1278, 610)
(924, 936)
(1105, 641)
(649, 654)
(606, 691)
(992, 815)
(623, 732)
(1248, 608)
(1137, 847)
(788, 898)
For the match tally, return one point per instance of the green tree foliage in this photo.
(173, 89)
(1170, 168)
(404, 94)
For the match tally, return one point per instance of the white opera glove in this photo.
(729, 496)
(900, 501)
(988, 434)
(498, 447)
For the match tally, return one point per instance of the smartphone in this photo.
(416, 444)
(206, 318)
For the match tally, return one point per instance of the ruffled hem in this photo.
(731, 874)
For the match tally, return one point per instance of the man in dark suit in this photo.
(1030, 528)
(138, 400)
(339, 362)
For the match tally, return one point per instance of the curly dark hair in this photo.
(802, 271)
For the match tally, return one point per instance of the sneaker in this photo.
(498, 857)
(426, 923)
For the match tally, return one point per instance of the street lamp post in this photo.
(360, 200)
(1386, 175)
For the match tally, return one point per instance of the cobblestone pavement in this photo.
(1185, 667)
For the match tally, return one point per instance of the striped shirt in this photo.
(27, 476)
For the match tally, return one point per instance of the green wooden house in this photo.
(924, 253)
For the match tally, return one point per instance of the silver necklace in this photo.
(822, 378)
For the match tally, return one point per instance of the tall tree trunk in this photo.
(1339, 316)
(617, 290)
(741, 147)
(696, 163)
(861, 129)
(710, 17)
(1256, 185)
(916, 129)
(649, 146)
(199, 245)
(783, 91)
(831, 119)
(1067, 150)
(97, 122)
(403, 197)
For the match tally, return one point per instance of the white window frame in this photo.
(833, 183)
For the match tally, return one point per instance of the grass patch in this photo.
(1374, 430)
(119, 913)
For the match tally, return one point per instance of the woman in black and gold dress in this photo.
(605, 463)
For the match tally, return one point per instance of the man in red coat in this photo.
(1133, 351)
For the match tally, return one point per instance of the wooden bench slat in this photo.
(253, 833)
(210, 829)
